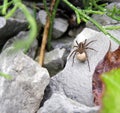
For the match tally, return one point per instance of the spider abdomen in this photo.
(81, 56)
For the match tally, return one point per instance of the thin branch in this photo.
(44, 41)
(46, 32)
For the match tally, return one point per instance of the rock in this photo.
(11, 28)
(13, 25)
(54, 61)
(111, 5)
(74, 31)
(2, 22)
(112, 0)
(60, 25)
(104, 20)
(24, 92)
(20, 15)
(23, 36)
(59, 103)
(76, 81)
(64, 42)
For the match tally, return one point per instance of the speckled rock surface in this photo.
(23, 36)
(24, 92)
(59, 103)
(60, 25)
(13, 25)
(76, 81)
(54, 60)
(104, 20)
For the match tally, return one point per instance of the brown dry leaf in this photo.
(109, 62)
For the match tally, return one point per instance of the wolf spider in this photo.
(80, 51)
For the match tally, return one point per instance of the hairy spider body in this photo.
(80, 51)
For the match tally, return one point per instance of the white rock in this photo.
(2, 22)
(24, 92)
(76, 81)
(59, 103)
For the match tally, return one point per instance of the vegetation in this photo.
(92, 7)
(31, 20)
(5, 75)
(111, 98)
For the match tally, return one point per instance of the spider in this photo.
(80, 51)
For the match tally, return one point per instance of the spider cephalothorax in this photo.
(80, 51)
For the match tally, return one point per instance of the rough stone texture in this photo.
(2, 22)
(23, 36)
(54, 61)
(76, 81)
(59, 103)
(111, 5)
(60, 25)
(64, 42)
(104, 19)
(13, 25)
(75, 31)
(11, 28)
(112, 0)
(24, 92)
(20, 15)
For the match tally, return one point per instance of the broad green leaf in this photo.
(111, 98)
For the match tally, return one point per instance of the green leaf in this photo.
(111, 98)
(5, 75)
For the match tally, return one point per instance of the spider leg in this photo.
(90, 42)
(75, 46)
(85, 41)
(74, 58)
(72, 53)
(77, 43)
(90, 48)
(88, 62)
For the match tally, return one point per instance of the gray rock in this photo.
(111, 5)
(54, 61)
(2, 22)
(13, 25)
(104, 20)
(11, 28)
(64, 42)
(20, 15)
(59, 103)
(76, 81)
(112, 0)
(23, 36)
(24, 92)
(60, 25)
(74, 31)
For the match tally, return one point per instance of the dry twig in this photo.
(45, 35)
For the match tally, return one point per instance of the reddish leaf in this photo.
(109, 62)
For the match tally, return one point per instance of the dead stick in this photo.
(45, 35)
(44, 41)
